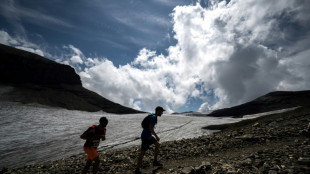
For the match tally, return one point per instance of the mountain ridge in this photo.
(30, 78)
(270, 102)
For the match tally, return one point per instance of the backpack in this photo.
(145, 122)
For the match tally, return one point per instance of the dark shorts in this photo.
(146, 143)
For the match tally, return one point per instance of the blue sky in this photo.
(109, 28)
(184, 55)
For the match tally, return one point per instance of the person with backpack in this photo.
(149, 137)
(93, 135)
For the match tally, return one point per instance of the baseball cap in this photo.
(159, 108)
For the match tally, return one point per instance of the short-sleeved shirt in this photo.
(146, 133)
(95, 135)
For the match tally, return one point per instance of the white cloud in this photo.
(74, 57)
(144, 58)
(36, 51)
(238, 51)
(127, 83)
(20, 43)
(6, 39)
(298, 66)
(231, 46)
(136, 105)
(77, 57)
(225, 55)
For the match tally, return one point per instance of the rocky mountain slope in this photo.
(29, 78)
(269, 102)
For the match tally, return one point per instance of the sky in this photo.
(185, 55)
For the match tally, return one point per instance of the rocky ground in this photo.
(271, 144)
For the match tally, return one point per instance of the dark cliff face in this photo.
(269, 102)
(30, 78)
(18, 67)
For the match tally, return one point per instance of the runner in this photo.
(92, 136)
(147, 139)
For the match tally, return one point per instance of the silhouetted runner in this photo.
(93, 135)
(149, 137)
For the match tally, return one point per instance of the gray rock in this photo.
(187, 170)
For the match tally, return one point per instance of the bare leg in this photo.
(140, 158)
(96, 165)
(86, 168)
(157, 145)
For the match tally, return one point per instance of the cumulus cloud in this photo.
(259, 36)
(226, 54)
(148, 81)
(239, 47)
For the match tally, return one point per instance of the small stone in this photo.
(187, 170)
(255, 124)
(304, 160)
(272, 172)
(266, 166)
(246, 162)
